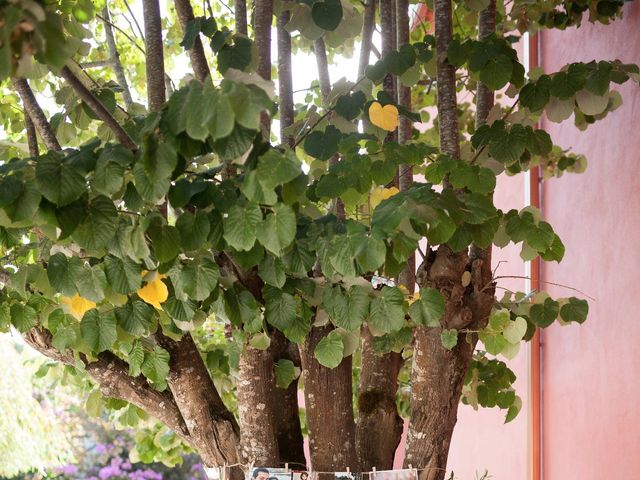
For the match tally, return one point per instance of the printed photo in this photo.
(269, 473)
(406, 474)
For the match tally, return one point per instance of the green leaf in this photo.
(123, 274)
(156, 366)
(98, 330)
(165, 241)
(23, 317)
(64, 338)
(449, 338)
(327, 14)
(371, 254)
(135, 317)
(350, 105)
(59, 181)
(535, 96)
(323, 145)
(200, 277)
(62, 273)
(240, 226)
(98, 227)
(346, 310)
(275, 168)
(515, 330)
(271, 271)
(260, 341)
(543, 314)
(386, 313)
(286, 372)
(497, 72)
(193, 229)
(135, 359)
(91, 282)
(236, 56)
(278, 229)
(428, 309)
(280, 308)
(329, 351)
(575, 311)
(341, 256)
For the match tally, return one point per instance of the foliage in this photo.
(105, 247)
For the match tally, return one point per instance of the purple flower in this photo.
(68, 469)
(101, 448)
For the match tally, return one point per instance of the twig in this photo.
(132, 40)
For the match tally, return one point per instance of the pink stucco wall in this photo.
(590, 392)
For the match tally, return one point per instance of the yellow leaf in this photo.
(385, 117)
(380, 193)
(154, 292)
(77, 306)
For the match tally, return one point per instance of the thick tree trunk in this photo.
(256, 408)
(288, 429)
(263, 17)
(36, 114)
(285, 81)
(437, 373)
(196, 53)
(212, 427)
(115, 58)
(156, 94)
(329, 406)
(98, 108)
(379, 426)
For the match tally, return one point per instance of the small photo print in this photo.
(301, 475)
(406, 474)
(347, 476)
(268, 473)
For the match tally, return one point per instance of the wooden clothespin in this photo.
(286, 467)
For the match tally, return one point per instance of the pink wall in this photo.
(589, 379)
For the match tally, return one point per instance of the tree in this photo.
(195, 266)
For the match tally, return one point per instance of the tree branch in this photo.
(98, 108)
(111, 375)
(115, 58)
(156, 94)
(36, 114)
(212, 427)
(240, 10)
(196, 53)
(285, 81)
(368, 26)
(32, 137)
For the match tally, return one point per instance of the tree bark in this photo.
(98, 108)
(196, 53)
(379, 426)
(388, 34)
(156, 94)
(256, 407)
(288, 429)
(285, 81)
(368, 25)
(111, 375)
(212, 427)
(262, 29)
(32, 137)
(240, 11)
(115, 58)
(329, 406)
(36, 114)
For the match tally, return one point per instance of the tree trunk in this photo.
(379, 426)
(240, 13)
(262, 29)
(156, 94)
(256, 408)
(196, 53)
(368, 26)
(329, 406)
(32, 137)
(115, 58)
(437, 373)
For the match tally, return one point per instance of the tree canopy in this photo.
(196, 265)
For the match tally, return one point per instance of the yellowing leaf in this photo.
(77, 306)
(385, 117)
(380, 193)
(154, 292)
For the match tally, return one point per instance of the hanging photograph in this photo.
(271, 473)
(347, 476)
(302, 475)
(405, 474)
